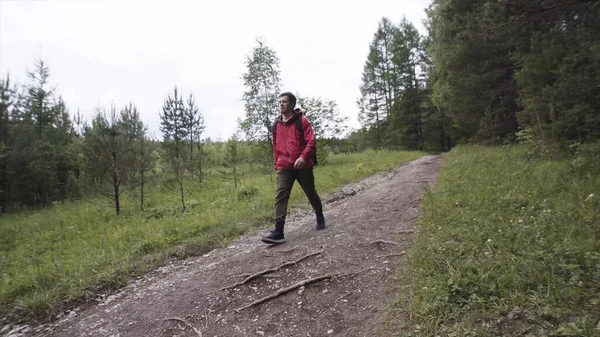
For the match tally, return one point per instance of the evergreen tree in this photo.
(174, 127)
(195, 126)
(109, 151)
(232, 158)
(40, 133)
(7, 102)
(380, 85)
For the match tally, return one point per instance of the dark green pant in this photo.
(285, 182)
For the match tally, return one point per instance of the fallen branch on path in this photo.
(297, 285)
(384, 241)
(266, 271)
(285, 290)
(225, 306)
(407, 231)
(390, 255)
(341, 297)
(196, 330)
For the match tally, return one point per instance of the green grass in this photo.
(508, 246)
(74, 250)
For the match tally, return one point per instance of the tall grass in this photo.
(73, 250)
(508, 246)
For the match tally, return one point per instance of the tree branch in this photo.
(540, 9)
(266, 271)
(297, 285)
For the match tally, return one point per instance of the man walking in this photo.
(294, 147)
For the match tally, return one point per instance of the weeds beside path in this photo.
(509, 245)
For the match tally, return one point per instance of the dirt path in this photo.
(369, 226)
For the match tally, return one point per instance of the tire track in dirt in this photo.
(369, 227)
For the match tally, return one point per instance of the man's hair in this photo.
(290, 96)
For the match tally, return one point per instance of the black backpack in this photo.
(300, 129)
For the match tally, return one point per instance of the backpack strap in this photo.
(299, 126)
(274, 130)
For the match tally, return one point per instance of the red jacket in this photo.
(289, 144)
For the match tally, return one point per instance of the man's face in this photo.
(284, 104)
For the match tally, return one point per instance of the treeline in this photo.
(48, 155)
(395, 107)
(488, 72)
(39, 161)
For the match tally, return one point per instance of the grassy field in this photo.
(509, 245)
(74, 250)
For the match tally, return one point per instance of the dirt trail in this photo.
(369, 226)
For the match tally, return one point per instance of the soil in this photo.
(351, 265)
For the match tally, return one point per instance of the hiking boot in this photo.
(274, 237)
(320, 221)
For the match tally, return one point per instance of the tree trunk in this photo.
(142, 189)
(116, 183)
(117, 203)
(234, 178)
(180, 181)
(192, 155)
(3, 187)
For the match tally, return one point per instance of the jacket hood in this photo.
(297, 114)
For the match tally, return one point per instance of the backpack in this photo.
(300, 129)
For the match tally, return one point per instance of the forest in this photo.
(487, 73)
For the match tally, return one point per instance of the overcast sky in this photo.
(119, 51)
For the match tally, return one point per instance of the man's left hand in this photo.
(299, 163)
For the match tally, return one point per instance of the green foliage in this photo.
(195, 127)
(326, 120)
(72, 250)
(175, 127)
(262, 81)
(233, 159)
(395, 107)
(36, 131)
(111, 153)
(508, 245)
(500, 66)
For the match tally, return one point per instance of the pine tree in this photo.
(110, 156)
(195, 127)
(7, 102)
(380, 86)
(174, 127)
(232, 158)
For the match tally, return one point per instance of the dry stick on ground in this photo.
(266, 271)
(390, 255)
(341, 297)
(226, 304)
(384, 241)
(407, 231)
(297, 285)
(284, 290)
(196, 330)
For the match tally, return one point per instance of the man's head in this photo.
(287, 102)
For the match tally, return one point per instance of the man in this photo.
(293, 151)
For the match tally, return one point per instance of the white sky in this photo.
(119, 51)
